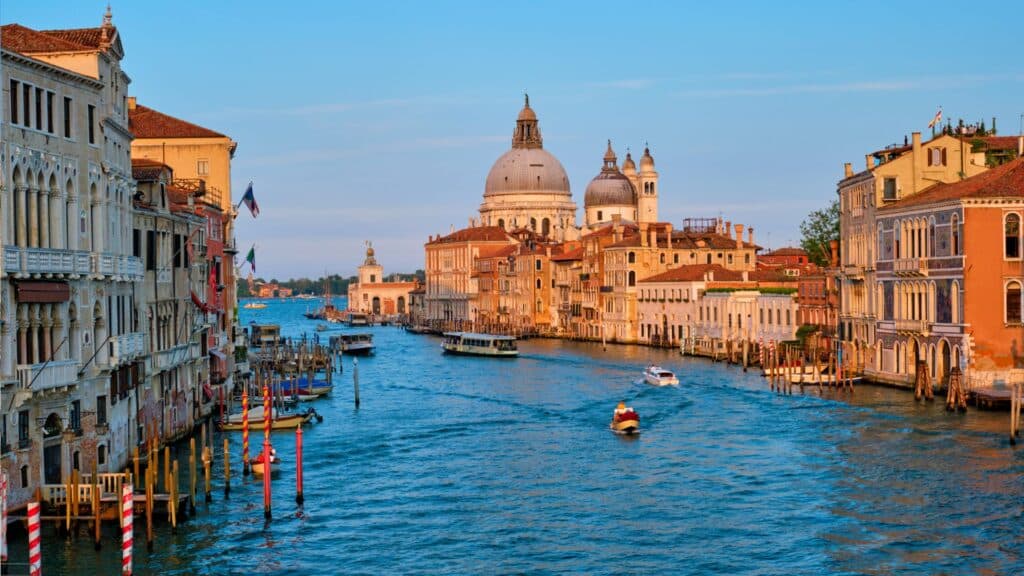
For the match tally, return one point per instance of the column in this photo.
(57, 236)
(60, 344)
(73, 226)
(44, 219)
(33, 333)
(33, 217)
(21, 218)
(47, 325)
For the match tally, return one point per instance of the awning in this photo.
(42, 292)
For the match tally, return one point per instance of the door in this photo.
(52, 473)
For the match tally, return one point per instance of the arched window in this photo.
(632, 257)
(954, 303)
(501, 222)
(955, 227)
(533, 224)
(545, 227)
(1013, 312)
(662, 258)
(1011, 231)
(632, 278)
(538, 283)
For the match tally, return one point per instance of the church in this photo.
(527, 187)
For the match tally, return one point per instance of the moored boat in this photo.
(277, 421)
(625, 420)
(254, 306)
(353, 344)
(473, 344)
(358, 319)
(658, 376)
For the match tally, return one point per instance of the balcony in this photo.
(45, 262)
(912, 326)
(910, 267)
(166, 359)
(126, 347)
(117, 265)
(48, 376)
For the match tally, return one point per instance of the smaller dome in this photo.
(527, 113)
(610, 187)
(628, 166)
(647, 161)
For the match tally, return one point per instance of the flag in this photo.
(937, 120)
(250, 201)
(251, 257)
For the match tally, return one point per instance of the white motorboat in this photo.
(353, 344)
(658, 376)
(470, 344)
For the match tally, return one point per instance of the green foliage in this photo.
(805, 330)
(819, 229)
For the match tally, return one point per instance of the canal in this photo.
(458, 465)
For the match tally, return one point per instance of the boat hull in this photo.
(626, 427)
(357, 350)
(655, 381)
(257, 467)
(474, 351)
(285, 423)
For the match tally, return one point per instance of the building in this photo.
(450, 300)
(372, 294)
(70, 337)
(613, 192)
(787, 257)
(949, 266)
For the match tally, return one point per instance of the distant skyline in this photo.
(380, 121)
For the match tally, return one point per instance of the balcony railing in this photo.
(126, 347)
(171, 357)
(48, 376)
(910, 267)
(127, 267)
(912, 326)
(19, 260)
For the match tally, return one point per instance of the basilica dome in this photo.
(610, 187)
(527, 168)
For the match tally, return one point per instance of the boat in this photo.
(353, 344)
(264, 336)
(625, 420)
(473, 344)
(256, 464)
(254, 306)
(302, 386)
(658, 376)
(321, 327)
(358, 319)
(277, 421)
(824, 379)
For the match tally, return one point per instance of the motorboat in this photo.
(473, 344)
(277, 421)
(358, 319)
(321, 327)
(353, 344)
(254, 306)
(625, 420)
(658, 376)
(257, 466)
(302, 386)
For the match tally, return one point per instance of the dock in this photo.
(991, 398)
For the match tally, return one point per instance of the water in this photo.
(458, 465)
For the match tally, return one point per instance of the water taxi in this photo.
(358, 319)
(658, 376)
(625, 420)
(254, 306)
(472, 344)
(353, 344)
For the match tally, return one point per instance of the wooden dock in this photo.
(991, 398)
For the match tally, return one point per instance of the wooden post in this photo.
(298, 465)
(245, 429)
(150, 479)
(266, 478)
(355, 379)
(192, 475)
(97, 523)
(227, 468)
(135, 466)
(172, 501)
(67, 504)
(167, 468)
(207, 463)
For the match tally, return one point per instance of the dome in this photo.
(610, 187)
(526, 170)
(647, 161)
(628, 166)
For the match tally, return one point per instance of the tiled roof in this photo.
(91, 38)
(1000, 142)
(1006, 181)
(17, 38)
(144, 169)
(145, 122)
(695, 272)
(570, 255)
(475, 234)
(497, 251)
(765, 275)
(787, 251)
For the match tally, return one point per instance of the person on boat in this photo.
(619, 411)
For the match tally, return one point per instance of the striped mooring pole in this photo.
(3, 517)
(245, 429)
(35, 557)
(127, 505)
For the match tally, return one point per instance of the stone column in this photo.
(34, 333)
(44, 219)
(33, 217)
(73, 226)
(21, 218)
(47, 324)
(56, 230)
(56, 337)
(23, 342)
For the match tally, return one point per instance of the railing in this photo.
(171, 357)
(914, 326)
(45, 261)
(107, 264)
(126, 347)
(50, 375)
(910, 266)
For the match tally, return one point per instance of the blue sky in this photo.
(380, 120)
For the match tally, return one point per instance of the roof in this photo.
(18, 38)
(89, 38)
(687, 240)
(474, 234)
(786, 251)
(144, 122)
(145, 170)
(695, 272)
(999, 142)
(497, 251)
(1005, 181)
(575, 254)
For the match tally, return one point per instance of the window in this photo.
(92, 124)
(1013, 312)
(49, 111)
(150, 250)
(39, 109)
(600, 215)
(889, 189)
(661, 258)
(632, 278)
(4, 447)
(14, 101)
(101, 410)
(709, 258)
(23, 429)
(788, 319)
(75, 418)
(538, 283)
(675, 258)
(176, 241)
(26, 105)
(24, 476)
(936, 156)
(67, 117)
(631, 258)
(537, 264)
(1011, 231)
(955, 227)
(730, 258)
(101, 454)
(203, 167)
(137, 243)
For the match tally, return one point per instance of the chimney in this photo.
(1020, 145)
(868, 161)
(916, 141)
(131, 103)
(834, 246)
(750, 235)
(739, 235)
(728, 229)
(848, 170)
(643, 234)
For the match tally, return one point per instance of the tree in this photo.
(819, 229)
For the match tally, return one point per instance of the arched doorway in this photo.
(944, 361)
(376, 305)
(664, 329)
(401, 304)
(53, 465)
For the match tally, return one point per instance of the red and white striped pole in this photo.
(35, 557)
(245, 429)
(127, 505)
(3, 517)
(266, 416)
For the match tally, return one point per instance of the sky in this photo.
(379, 120)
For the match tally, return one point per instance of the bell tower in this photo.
(370, 272)
(647, 191)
